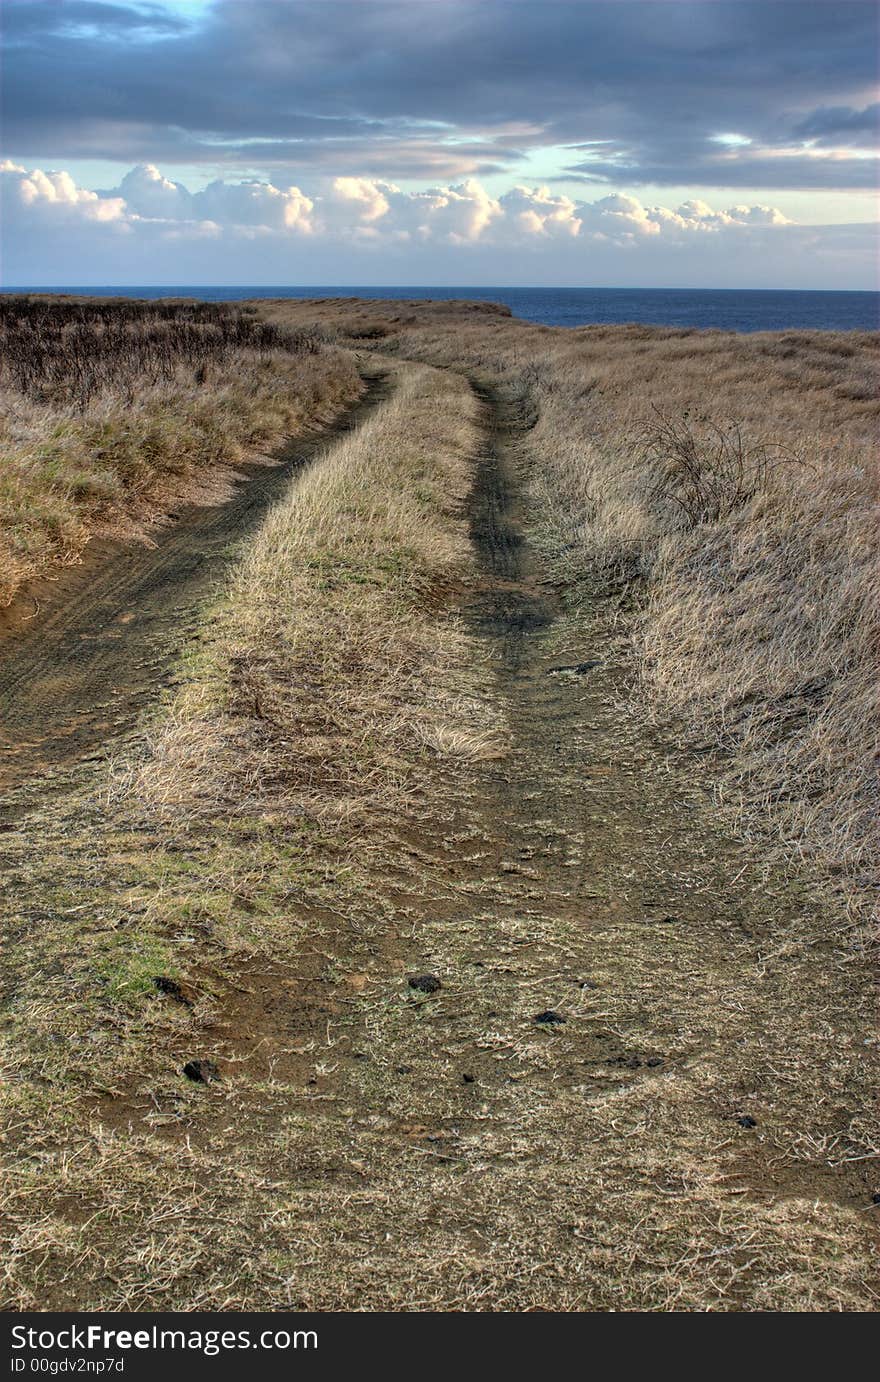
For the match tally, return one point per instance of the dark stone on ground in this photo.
(468, 1079)
(425, 983)
(201, 1071)
(579, 668)
(549, 1017)
(745, 1121)
(171, 989)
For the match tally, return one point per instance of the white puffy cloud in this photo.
(256, 205)
(367, 200)
(55, 194)
(146, 192)
(58, 231)
(464, 213)
(757, 216)
(626, 219)
(536, 211)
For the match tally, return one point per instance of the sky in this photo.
(630, 143)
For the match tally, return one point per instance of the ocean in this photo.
(725, 309)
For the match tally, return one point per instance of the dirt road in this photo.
(610, 1087)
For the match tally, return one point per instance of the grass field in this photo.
(401, 958)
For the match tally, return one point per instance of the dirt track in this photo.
(103, 634)
(606, 1103)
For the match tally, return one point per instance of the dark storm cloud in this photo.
(834, 123)
(418, 88)
(25, 19)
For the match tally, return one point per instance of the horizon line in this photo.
(424, 287)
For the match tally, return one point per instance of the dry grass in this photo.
(303, 831)
(103, 406)
(329, 676)
(729, 485)
(327, 665)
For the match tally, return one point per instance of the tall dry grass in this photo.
(728, 485)
(102, 404)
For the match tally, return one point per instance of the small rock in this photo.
(746, 1121)
(579, 668)
(654, 1061)
(425, 983)
(201, 1071)
(468, 1079)
(171, 989)
(875, 1199)
(549, 1017)
(402, 1069)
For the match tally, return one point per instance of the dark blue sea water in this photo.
(727, 309)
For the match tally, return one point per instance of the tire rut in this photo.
(83, 670)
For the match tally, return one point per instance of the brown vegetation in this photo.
(328, 995)
(102, 403)
(397, 960)
(728, 484)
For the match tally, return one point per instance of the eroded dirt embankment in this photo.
(87, 651)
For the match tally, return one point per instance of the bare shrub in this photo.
(704, 470)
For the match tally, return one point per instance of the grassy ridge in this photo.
(727, 486)
(325, 649)
(106, 407)
(760, 618)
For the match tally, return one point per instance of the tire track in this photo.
(84, 668)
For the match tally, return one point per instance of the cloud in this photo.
(452, 90)
(147, 192)
(363, 230)
(255, 204)
(465, 214)
(830, 124)
(37, 197)
(718, 163)
(536, 211)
